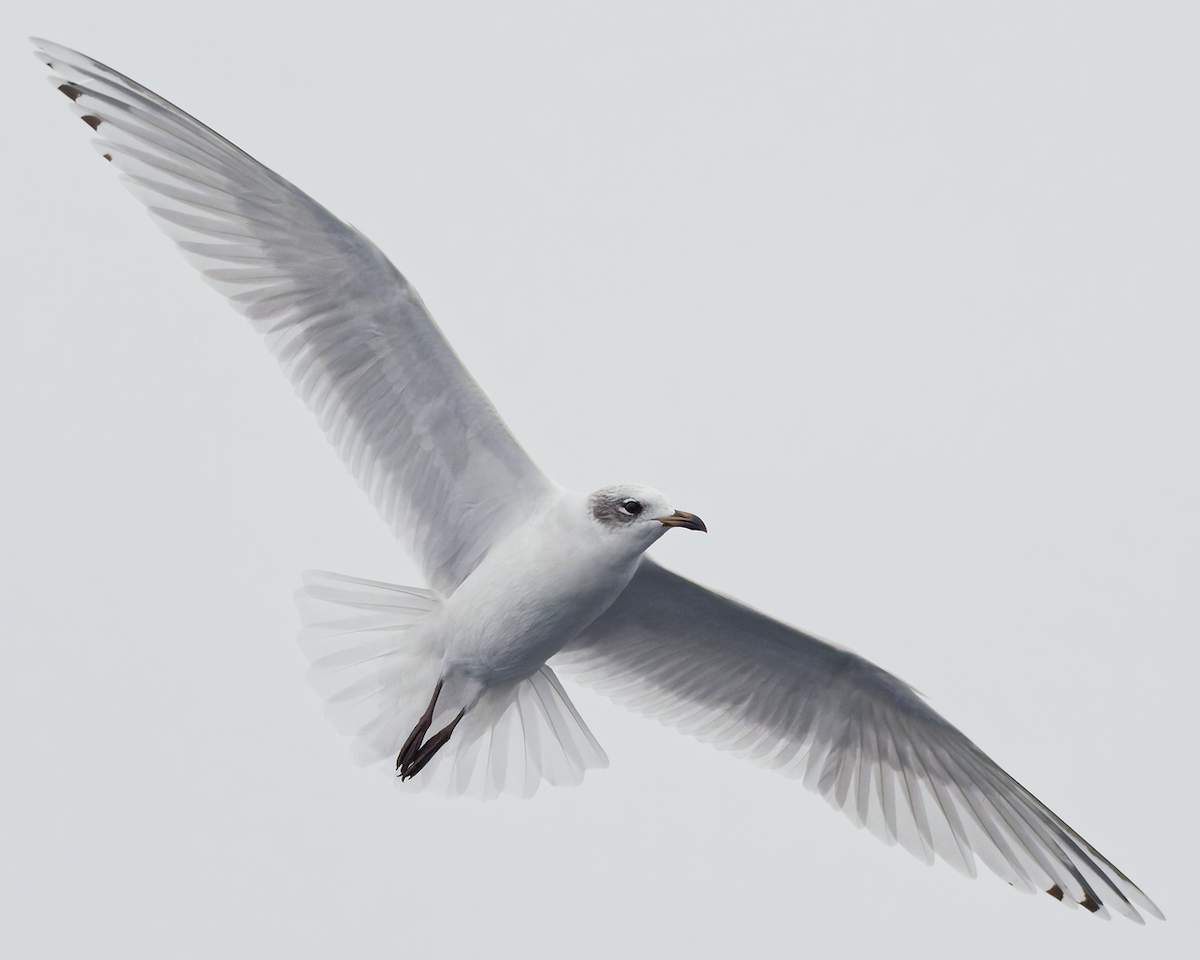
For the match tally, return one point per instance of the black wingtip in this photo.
(1088, 903)
(1056, 892)
(70, 90)
(91, 120)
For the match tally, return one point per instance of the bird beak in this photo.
(681, 519)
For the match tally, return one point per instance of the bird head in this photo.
(632, 510)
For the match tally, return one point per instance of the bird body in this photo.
(536, 590)
(539, 588)
(456, 681)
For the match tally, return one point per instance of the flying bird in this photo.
(454, 683)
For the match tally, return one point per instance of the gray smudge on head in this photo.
(606, 509)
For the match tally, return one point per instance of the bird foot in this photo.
(417, 751)
(429, 748)
(412, 746)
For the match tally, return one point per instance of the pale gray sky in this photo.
(918, 285)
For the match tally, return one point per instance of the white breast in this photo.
(534, 593)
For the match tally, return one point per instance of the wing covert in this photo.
(760, 689)
(350, 333)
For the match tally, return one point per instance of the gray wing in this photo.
(350, 333)
(728, 675)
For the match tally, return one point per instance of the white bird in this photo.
(522, 572)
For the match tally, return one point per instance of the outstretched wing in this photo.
(353, 337)
(787, 700)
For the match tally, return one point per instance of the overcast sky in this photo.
(901, 298)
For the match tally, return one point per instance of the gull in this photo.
(452, 682)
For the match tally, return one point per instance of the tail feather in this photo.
(376, 674)
(356, 639)
(512, 740)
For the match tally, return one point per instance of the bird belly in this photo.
(510, 616)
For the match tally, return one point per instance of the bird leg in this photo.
(417, 751)
(429, 748)
(412, 746)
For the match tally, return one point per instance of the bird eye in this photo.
(631, 507)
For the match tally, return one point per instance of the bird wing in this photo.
(728, 675)
(351, 334)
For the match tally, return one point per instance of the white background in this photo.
(900, 297)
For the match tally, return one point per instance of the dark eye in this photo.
(631, 507)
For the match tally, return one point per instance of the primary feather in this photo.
(731, 676)
(353, 337)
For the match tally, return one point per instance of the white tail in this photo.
(376, 675)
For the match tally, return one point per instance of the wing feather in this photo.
(857, 735)
(354, 338)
